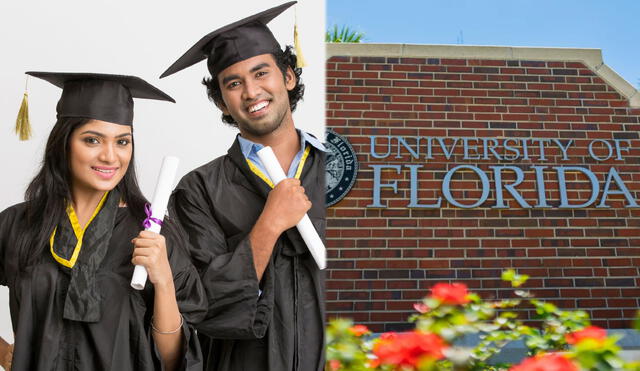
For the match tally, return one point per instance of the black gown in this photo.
(121, 339)
(281, 329)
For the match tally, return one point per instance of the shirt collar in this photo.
(248, 147)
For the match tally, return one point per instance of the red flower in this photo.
(408, 349)
(359, 330)
(389, 336)
(450, 293)
(421, 307)
(334, 365)
(546, 362)
(591, 332)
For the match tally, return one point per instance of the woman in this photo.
(68, 252)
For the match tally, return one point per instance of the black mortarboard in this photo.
(100, 96)
(233, 43)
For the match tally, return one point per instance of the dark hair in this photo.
(50, 190)
(284, 59)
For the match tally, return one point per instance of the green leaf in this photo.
(508, 275)
(516, 280)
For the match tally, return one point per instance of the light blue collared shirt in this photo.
(250, 151)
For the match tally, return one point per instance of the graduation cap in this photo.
(97, 96)
(233, 43)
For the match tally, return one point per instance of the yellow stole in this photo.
(254, 168)
(77, 230)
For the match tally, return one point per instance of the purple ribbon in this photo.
(147, 222)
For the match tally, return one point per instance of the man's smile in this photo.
(258, 106)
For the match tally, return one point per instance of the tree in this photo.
(343, 35)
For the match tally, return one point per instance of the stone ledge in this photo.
(516, 350)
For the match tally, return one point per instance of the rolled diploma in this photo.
(158, 209)
(305, 227)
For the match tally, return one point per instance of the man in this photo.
(265, 290)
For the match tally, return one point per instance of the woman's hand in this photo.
(6, 354)
(151, 252)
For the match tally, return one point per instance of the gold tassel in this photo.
(23, 126)
(296, 42)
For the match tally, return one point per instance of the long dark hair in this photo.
(49, 192)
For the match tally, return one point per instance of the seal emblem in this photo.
(341, 167)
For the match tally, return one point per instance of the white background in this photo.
(142, 38)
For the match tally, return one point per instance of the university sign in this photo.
(342, 166)
(534, 150)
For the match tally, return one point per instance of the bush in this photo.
(563, 340)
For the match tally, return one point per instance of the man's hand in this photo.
(285, 207)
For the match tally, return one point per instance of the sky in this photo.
(611, 26)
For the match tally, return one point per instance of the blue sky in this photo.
(608, 25)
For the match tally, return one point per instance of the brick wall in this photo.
(384, 259)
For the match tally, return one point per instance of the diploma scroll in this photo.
(305, 227)
(158, 207)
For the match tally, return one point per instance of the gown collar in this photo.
(83, 301)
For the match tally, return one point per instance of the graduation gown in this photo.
(121, 339)
(276, 324)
